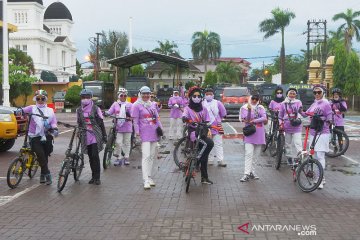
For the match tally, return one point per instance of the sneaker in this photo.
(42, 178)
(97, 182)
(118, 162)
(151, 182)
(92, 181)
(147, 185)
(245, 178)
(253, 176)
(211, 162)
(323, 181)
(48, 179)
(289, 161)
(222, 164)
(126, 162)
(206, 181)
(321, 186)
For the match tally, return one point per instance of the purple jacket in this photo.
(323, 108)
(176, 112)
(193, 116)
(292, 109)
(146, 121)
(338, 108)
(49, 112)
(126, 127)
(258, 114)
(220, 115)
(90, 136)
(157, 106)
(275, 106)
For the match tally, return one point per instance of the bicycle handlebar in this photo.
(67, 125)
(115, 117)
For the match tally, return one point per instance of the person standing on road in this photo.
(289, 118)
(149, 129)
(320, 113)
(90, 117)
(156, 104)
(254, 116)
(339, 107)
(216, 112)
(196, 113)
(176, 105)
(121, 109)
(275, 104)
(41, 133)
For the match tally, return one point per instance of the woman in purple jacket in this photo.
(148, 128)
(290, 122)
(217, 112)
(321, 108)
(275, 104)
(339, 107)
(121, 109)
(41, 132)
(255, 114)
(176, 105)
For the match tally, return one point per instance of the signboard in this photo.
(276, 79)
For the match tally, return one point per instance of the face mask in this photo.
(41, 105)
(279, 95)
(196, 100)
(209, 98)
(337, 98)
(85, 102)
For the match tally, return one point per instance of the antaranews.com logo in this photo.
(302, 230)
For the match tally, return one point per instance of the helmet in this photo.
(145, 89)
(85, 92)
(208, 90)
(40, 92)
(336, 90)
(122, 90)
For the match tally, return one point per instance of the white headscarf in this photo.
(212, 108)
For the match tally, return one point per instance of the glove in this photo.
(176, 106)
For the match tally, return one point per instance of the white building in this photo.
(45, 35)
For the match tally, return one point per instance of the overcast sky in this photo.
(235, 20)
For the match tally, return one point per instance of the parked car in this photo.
(59, 96)
(163, 95)
(267, 91)
(103, 92)
(233, 98)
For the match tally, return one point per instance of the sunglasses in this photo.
(317, 92)
(254, 99)
(196, 96)
(279, 93)
(122, 95)
(40, 99)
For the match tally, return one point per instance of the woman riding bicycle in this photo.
(149, 129)
(176, 105)
(321, 115)
(121, 109)
(41, 132)
(253, 114)
(290, 122)
(217, 112)
(339, 107)
(90, 117)
(196, 113)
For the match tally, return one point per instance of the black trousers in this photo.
(205, 157)
(339, 135)
(42, 150)
(94, 160)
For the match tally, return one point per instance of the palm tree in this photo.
(205, 46)
(351, 27)
(228, 72)
(166, 47)
(270, 26)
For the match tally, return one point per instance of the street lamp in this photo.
(6, 85)
(116, 68)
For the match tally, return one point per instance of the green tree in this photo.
(166, 47)
(205, 47)
(73, 95)
(350, 28)
(211, 79)
(19, 58)
(279, 21)
(340, 63)
(137, 70)
(79, 71)
(352, 75)
(48, 76)
(189, 85)
(228, 72)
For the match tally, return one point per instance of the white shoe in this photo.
(151, 182)
(147, 185)
(222, 164)
(323, 181)
(211, 162)
(321, 186)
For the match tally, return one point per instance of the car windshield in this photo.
(235, 92)
(95, 89)
(268, 91)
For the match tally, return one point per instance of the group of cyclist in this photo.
(198, 105)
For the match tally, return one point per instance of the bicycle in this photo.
(25, 161)
(111, 143)
(307, 171)
(339, 141)
(74, 161)
(271, 137)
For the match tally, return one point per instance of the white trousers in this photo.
(293, 144)
(252, 153)
(175, 128)
(320, 156)
(149, 150)
(218, 151)
(123, 142)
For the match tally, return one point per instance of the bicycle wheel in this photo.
(34, 167)
(279, 150)
(273, 146)
(181, 152)
(267, 142)
(337, 149)
(15, 172)
(63, 174)
(109, 148)
(78, 166)
(309, 175)
(189, 174)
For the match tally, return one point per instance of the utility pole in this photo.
(6, 85)
(97, 62)
(317, 35)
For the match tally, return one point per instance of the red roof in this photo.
(235, 60)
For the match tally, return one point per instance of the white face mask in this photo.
(196, 99)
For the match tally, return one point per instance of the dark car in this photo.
(233, 98)
(163, 95)
(266, 91)
(306, 96)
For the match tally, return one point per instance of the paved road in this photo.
(271, 208)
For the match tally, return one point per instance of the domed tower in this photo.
(59, 19)
(315, 72)
(329, 80)
(26, 14)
